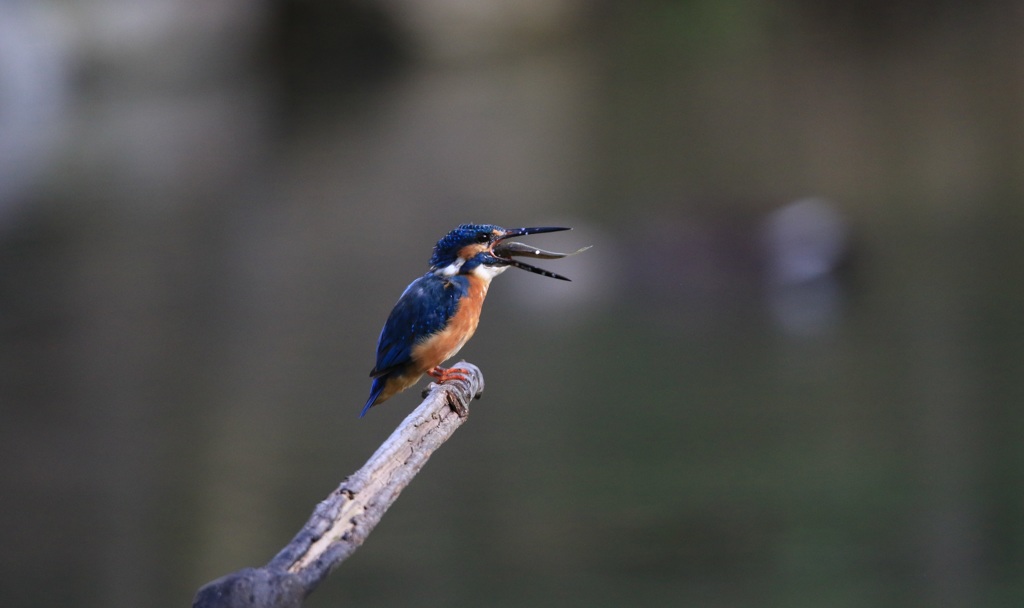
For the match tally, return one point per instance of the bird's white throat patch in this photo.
(488, 272)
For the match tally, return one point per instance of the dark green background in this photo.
(191, 292)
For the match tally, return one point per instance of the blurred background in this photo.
(790, 371)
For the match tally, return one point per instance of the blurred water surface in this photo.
(736, 402)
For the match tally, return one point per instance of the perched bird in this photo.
(438, 312)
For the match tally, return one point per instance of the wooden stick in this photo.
(341, 523)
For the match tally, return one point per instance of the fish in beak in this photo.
(506, 250)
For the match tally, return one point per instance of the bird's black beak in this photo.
(504, 250)
(525, 231)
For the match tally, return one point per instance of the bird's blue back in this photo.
(424, 308)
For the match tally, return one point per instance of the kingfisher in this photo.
(439, 312)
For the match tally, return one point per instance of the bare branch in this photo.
(341, 523)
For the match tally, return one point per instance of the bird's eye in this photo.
(483, 237)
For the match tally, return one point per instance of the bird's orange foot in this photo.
(452, 373)
(443, 375)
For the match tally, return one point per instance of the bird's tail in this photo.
(376, 389)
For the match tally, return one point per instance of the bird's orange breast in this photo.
(443, 345)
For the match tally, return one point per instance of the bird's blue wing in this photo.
(424, 309)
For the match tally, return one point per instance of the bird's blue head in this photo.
(471, 248)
